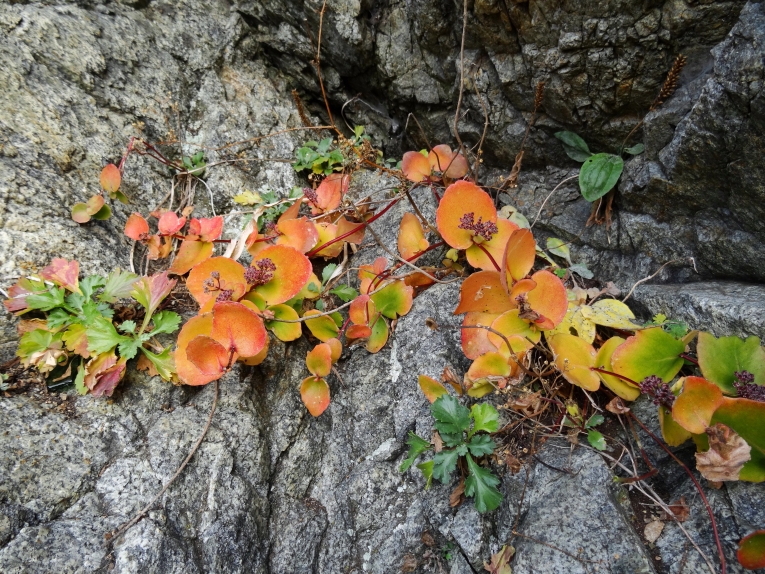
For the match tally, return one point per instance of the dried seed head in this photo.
(485, 229)
(260, 273)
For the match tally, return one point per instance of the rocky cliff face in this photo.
(272, 489)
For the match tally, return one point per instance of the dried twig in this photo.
(462, 82)
(644, 279)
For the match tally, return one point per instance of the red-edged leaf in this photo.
(300, 234)
(188, 373)
(111, 178)
(460, 199)
(257, 359)
(204, 286)
(549, 299)
(362, 310)
(483, 292)
(649, 352)
(431, 388)
(394, 300)
(518, 333)
(330, 193)
(151, 291)
(322, 327)
(327, 232)
(137, 228)
(315, 395)
(356, 332)
(293, 269)
(475, 342)
(694, 407)
(291, 213)
(319, 360)
(379, 335)
(97, 366)
(368, 273)
(63, 273)
(452, 164)
(415, 166)
(237, 327)
(337, 349)
(486, 373)
(751, 550)
(80, 213)
(169, 223)
(519, 255)
(206, 229)
(574, 358)
(477, 257)
(346, 226)
(622, 388)
(108, 379)
(207, 355)
(411, 236)
(190, 254)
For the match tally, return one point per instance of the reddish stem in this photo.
(345, 326)
(379, 278)
(622, 377)
(486, 251)
(689, 358)
(183, 238)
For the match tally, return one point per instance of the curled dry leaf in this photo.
(680, 510)
(617, 406)
(457, 496)
(653, 530)
(727, 454)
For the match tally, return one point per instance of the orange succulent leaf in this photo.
(169, 223)
(574, 358)
(452, 164)
(111, 178)
(362, 310)
(673, 433)
(355, 332)
(394, 300)
(314, 393)
(323, 327)
(521, 288)
(188, 372)
(239, 328)
(209, 278)
(623, 389)
(345, 226)
(189, 254)
(206, 229)
(368, 273)
(518, 333)
(207, 355)
(751, 550)
(379, 335)
(257, 359)
(519, 255)
(431, 388)
(549, 299)
(747, 418)
(319, 360)
(330, 193)
(285, 331)
(475, 342)
(415, 166)
(63, 273)
(293, 269)
(488, 368)
(483, 292)
(136, 227)
(300, 234)
(496, 247)
(255, 299)
(694, 407)
(291, 213)
(649, 352)
(420, 279)
(337, 349)
(460, 199)
(411, 236)
(327, 232)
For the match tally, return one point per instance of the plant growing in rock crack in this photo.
(465, 437)
(574, 419)
(318, 157)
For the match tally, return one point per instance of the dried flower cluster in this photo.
(659, 391)
(485, 229)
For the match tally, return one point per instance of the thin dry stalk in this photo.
(512, 179)
(462, 83)
(644, 279)
(301, 111)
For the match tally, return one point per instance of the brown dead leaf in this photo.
(427, 539)
(431, 324)
(527, 404)
(572, 436)
(500, 562)
(450, 377)
(512, 462)
(617, 406)
(680, 510)
(409, 564)
(727, 454)
(437, 442)
(653, 530)
(458, 495)
(145, 364)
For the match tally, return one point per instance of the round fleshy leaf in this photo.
(575, 358)
(483, 292)
(327, 232)
(475, 342)
(291, 213)
(379, 335)
(323, 328)
(411, 237)
(719, 359)
(621, 388)
(673, 433)
(239, 328)
(103, 214)
(188, 373)
(111, 178)
(521, 288)
(611, 313)
(169, 223)
(452, 164)
(190, 254)
(207, 355)
(319, 360)
(230, 276)
(356, 230)
(337, 349)
(431, 388)
(460, 199)
(293, 269)
(257, 359)
(314, 393)
(80, 213)
(255, 299)
(485, 370)
(206, 229)
(519, 255)
(649, 352)
(362, 310)
(330, 193)
(311, 290)
(751, 550)
(694, 407)
(369, 273)
(394, 300)
(298, 233)
(355, 332)
(415, 166)
(549, 299)
(518, 333)
(285, 331)
(95, 203)
(496, 247)
(136, 228)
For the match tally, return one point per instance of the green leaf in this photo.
(313, 288)
(163, 362)
(444, 463)
(581, 270)
(129, 347)
(118, 286)
(79, 381)
(417, 446)
(327, 273)
(165, 322)
(574, 146)
(92, 310)
(482, 485)
(103, 214)
(559, 247)
(485, 417)
(46, 300)
(58, 318)
(636, 149)
(90, 283)
(451, 417)
(103, 337)
(481, 445)
(560, 272)
(719, 359)
(427, 471)
(594, 421)
(32, 342)
(127, 327)
(596, 440)
(345, 293)
(599, 175)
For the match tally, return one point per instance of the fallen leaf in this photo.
(616, 406)
(427, 539)
(500, 562)
(680, 510)
(653, 530)
(457, 496)
(727, 454)
(409, 564)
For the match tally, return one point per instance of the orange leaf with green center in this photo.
(82, 212)
(487, 372)
(368, 273)
(327, 232)
(575, 358)
(751, 550)
(206, 229)
(394, 300)
(694, 407)
(330, 193)
(415, 166)
(431, 388)
(720, 359)
(411, 236)
(285, 331)
(314, 393)
(519, 255)
(311, 290)
(379, 335)
(319, 360)
(649, 352)
(207, 355)
(549, 299)
(483, 292)
(673, 433)
(214, 276)
(452, 164)
(461, 201)
(747, 418)
(63, 273)
(621, 388)
(475, 342)
(136, 227)
(111, 178)
(518, 333)
(190, 254)
(293, 269)
(237, 327)
(300, 234)
(362, 310)
(355, 332)
(477, 257)
(169, 223)
(188, 372)
(323, 327)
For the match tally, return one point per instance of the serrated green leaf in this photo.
(417, 446)
(481, 445)
(444, 463)
(165, 322)
(451, 417)
(485, 418)
(596, 440)
(345, 293)
(599, 175)
(127, 327)
(46, 300)
(427, 471)
(594, 421)
(129, 348)
(327, 272)
(35, 341)
(482, 485)
(636, 149)
(313, 288)
(59, 317)
(163, 362)
(79, 381)
(90, 283)
(117, 286)
(103, 337)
